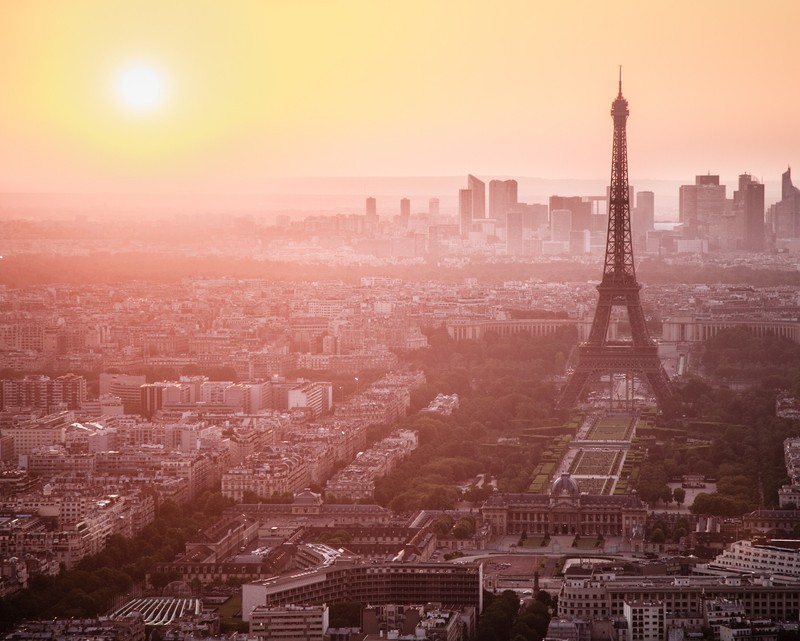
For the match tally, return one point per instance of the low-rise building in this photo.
(773, 523)
(129, 628)
(744, 630)
(566, 511)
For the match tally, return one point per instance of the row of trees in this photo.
(663, 530)
(733, 436)
(22, 270)
(504, 386)
(445, 526)
(505, 619)
(736, 354)
(656, 271)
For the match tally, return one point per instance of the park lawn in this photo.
(615, 429)
(585, 544)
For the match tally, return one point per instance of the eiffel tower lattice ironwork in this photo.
(618, 288)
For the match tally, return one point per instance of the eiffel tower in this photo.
(618, 288)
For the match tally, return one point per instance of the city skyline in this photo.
(178, 98)
(224, 414)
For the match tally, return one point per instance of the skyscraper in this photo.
(784, 216)
(433, 208)
(560, 224)
(514, 222)
(502, 197)
(788, 190)
(478, 189)
(534, 216)
(372, 208)
(464, 212)
(643, 217)
(645, 212)
(749, 203)
(700, 205)
(405, 210)
(581, 210)
(371, 222)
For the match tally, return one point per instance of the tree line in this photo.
(504, 385)
(731, 435)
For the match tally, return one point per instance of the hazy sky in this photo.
(210, 95)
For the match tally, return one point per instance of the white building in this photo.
(316, 396)
(775, 558)
(289, 622)
(646, 620)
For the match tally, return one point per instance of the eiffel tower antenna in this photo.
(600, 356)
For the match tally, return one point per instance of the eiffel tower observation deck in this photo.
(638, 357)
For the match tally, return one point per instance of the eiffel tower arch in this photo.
(599, 356)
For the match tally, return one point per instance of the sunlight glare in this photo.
(140, 88)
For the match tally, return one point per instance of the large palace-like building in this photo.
(565, 511)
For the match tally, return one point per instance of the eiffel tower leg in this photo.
(661, 386)
(572, 390)
(637, 320)
(602, 315)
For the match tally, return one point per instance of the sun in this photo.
(140, 88)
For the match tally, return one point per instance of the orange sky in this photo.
(264, 88)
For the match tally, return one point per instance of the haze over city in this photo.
(423, 321)
(142, 98)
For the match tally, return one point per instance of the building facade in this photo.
(289, 622)
(565, 511)
(603, 595)
(402, 583)
(701, 204)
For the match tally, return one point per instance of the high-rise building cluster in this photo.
(495, 222)
(712, 222)
(783, 217)
(566, 225)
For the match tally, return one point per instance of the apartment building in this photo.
(315, 396)
(43, 392)
(31, 435)
(131, 628)
(289, 622)
(276, 471)
(603, 594)
(375, 583)
(774, 558)
(646, 620)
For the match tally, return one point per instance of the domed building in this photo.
(564, 485)
(565, 510)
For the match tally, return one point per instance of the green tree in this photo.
(346, 614)
(442, 525)
(464, 528)
(537, 617)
